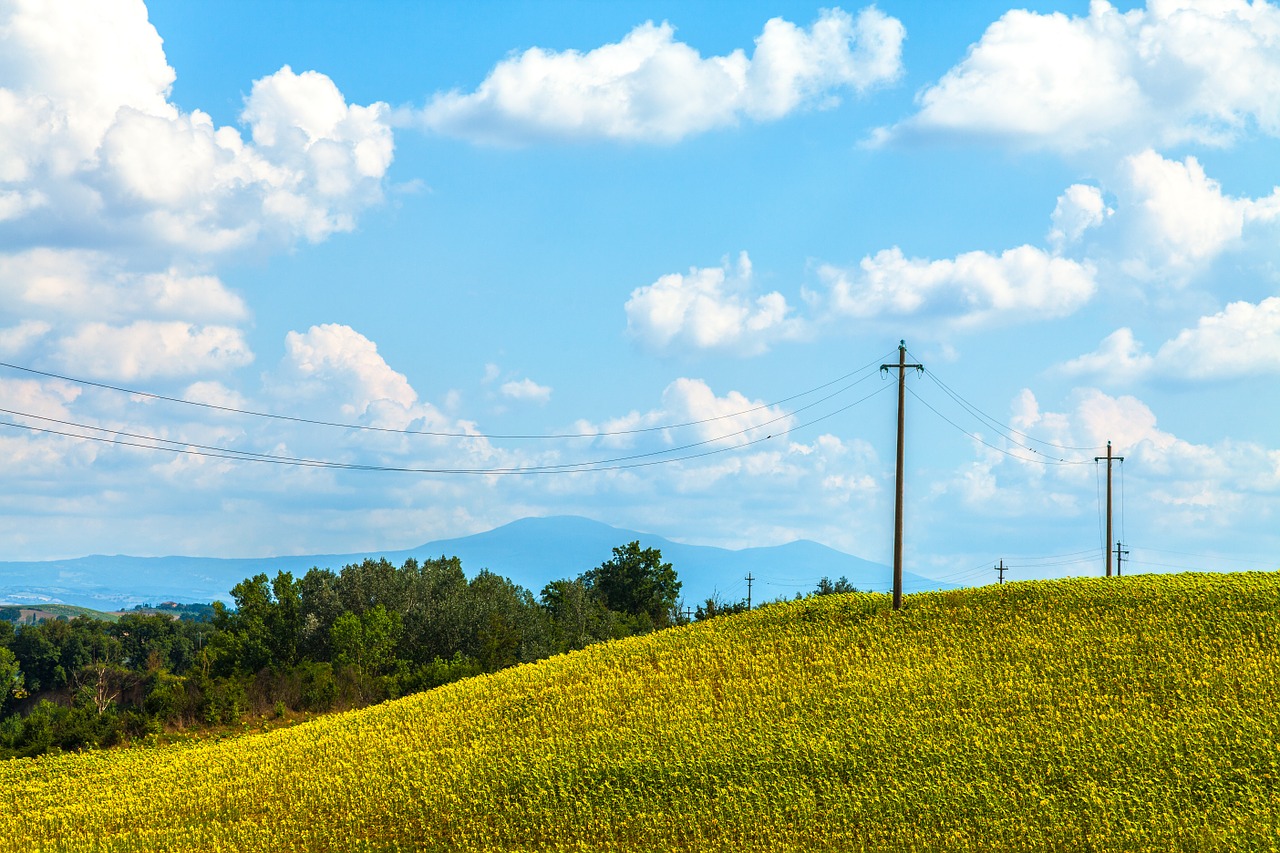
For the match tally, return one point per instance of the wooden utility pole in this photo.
(1109, 459)
(749, 580)
(1000, 569)
(901, 367)
(1121, 553)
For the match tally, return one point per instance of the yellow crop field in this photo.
(1138, 713)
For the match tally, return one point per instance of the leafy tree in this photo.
(827, 587)
(714, 607)
(438, 619)
(319, 606)
(284, 621)
(11, 681)
(367, 641)
(576, 617)
(263, 629)
(637, 583)
(508, 626)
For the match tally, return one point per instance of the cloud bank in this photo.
(651, 88)
(1174, 72)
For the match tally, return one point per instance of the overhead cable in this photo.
(435, 433)
(125, 439)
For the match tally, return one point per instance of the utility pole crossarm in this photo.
(901, 367)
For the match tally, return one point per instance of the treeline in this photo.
(320, 642)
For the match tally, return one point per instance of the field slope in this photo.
(1140, 713)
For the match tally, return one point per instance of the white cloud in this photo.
(1078, 209)
(1241, 340)
(1170, 223)
(50, 399)
(526, 390)
(17, 203)
(91, 148)
(71, 284)
(1175, 486)
(708, 309)
(214, 394)
(17, 338)
(1119, 358)
(649, 87)
(974, 289)
(333, 361)
(1175, 219)
(733, 418)
(149, 348)
(1174, 72)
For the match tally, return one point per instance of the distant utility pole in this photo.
(1000, 569)
(1109, 459)
(901, 367)
(1121, 553)
(749, 580)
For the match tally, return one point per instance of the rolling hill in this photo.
(1136, 713)
(531, 552)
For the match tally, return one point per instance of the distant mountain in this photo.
(531, 552)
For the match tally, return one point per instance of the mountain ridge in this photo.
(531, 552)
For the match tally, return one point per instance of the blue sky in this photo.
(587, 219)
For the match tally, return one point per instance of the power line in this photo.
(986, 443)
(995, 423)
(617, 463)
(434, 433)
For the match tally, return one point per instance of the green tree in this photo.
(577, 618)
(637, 583)
(319, 605)
(367, 641)
(10, 678)
(714, 607)
(827, 587)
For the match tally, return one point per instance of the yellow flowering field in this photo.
(1137, 713)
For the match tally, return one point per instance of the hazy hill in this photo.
(532, 552)
(1136, 713)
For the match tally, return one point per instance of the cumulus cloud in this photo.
(72, 284)
(691, 412)
(1106, 79)
(974, 289)
(1175, 484)
(335, 362)
(526, 390)
(733, 417)
(1181, 215)
(708, 309)
(1241, 340)
(651, 88)
(1119, 357)
(91, 147)
(15, 339)
(1170, 222)
(1078, 209)
(49, 399)
(149, 348)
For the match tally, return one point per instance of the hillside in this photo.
(1127, 714)
(39, 613)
